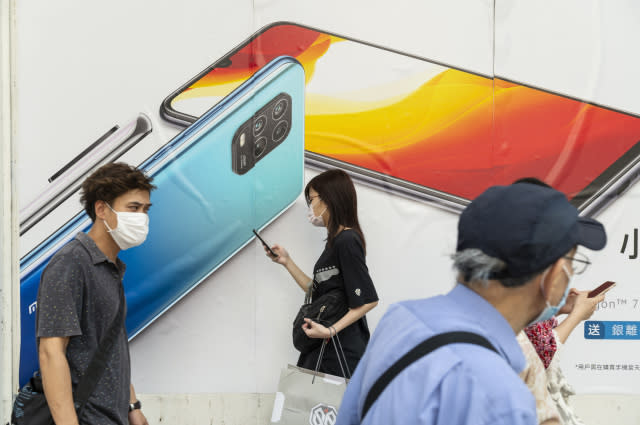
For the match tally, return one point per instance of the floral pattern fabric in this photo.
(543, 339)
(561, 390)
(536, 379)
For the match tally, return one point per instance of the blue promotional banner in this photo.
(611, 330)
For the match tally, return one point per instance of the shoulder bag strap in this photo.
(309, 292)
(98, 363)
(421, 350)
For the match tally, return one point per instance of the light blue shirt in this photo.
(454, 385)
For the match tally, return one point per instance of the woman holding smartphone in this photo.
(331, 198)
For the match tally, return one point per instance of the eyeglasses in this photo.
(311, 198)
(579, 262)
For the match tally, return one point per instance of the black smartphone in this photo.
(429, 130)
(266, 245)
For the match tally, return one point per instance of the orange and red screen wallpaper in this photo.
(442, 128)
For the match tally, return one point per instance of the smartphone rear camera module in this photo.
(280, 131)
(280, 109)
(259, 124)
(259, 147)
(264, 131)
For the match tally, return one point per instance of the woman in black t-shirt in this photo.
(331, 198)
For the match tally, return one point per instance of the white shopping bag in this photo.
(310, 397)
(301, 399)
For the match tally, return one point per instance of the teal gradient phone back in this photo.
(203, 212)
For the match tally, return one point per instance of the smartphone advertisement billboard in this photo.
(233, 119)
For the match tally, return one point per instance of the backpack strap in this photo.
(419, 351)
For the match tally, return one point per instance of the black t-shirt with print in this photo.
(343, 266)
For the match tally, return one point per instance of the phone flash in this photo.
(242, 140)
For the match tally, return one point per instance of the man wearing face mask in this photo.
(515, 253)
(80, 295)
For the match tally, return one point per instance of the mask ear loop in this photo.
(105, 221)
(109, 229)
(564, 269)
(319, 215)
(544, 276)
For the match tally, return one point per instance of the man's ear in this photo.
(99, 207)
(552, 275)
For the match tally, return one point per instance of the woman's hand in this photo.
(315, 329)
(571, 301)
(282, 254)
(581, 309)
(584, 306)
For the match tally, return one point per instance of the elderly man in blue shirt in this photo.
(454, 359)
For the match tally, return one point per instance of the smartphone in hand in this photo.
(266, 245)
(601, 289)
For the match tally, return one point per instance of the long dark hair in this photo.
(336, 190)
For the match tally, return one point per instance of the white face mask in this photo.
(316, 220)
(131, 230)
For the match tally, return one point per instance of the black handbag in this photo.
(327, 309)
(30, 406)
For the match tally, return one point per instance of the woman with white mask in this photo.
(341, 269)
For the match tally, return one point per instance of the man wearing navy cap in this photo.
(454, 359)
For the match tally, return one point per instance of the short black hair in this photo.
(110, 181)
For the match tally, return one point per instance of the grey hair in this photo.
(477, 267)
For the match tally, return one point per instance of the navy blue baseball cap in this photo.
(527, 226)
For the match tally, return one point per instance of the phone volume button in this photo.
(624, 186)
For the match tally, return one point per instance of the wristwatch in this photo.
(134, 406)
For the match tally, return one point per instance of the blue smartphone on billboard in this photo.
(235, 169)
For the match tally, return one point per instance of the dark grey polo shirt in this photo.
(78, 298)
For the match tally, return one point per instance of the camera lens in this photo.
(259, 124)
(280, 108)
(280, 131)
(259, 146)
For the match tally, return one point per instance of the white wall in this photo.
(9, 293)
